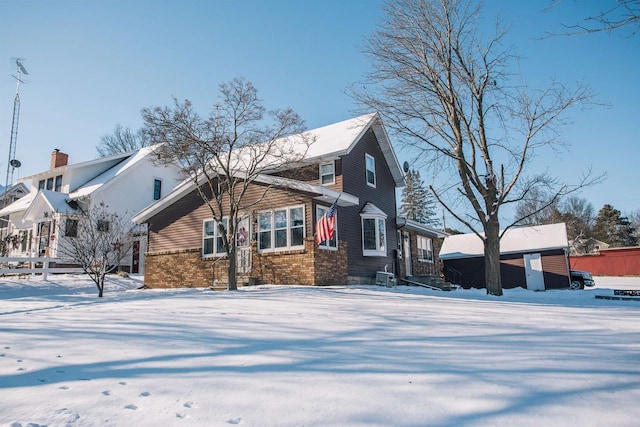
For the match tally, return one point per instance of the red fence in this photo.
(609, 262)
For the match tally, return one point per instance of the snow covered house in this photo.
(535, 258)
(352, 162)
(125, 183)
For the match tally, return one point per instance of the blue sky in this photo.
(94, 64)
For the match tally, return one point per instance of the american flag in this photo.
(326, 225)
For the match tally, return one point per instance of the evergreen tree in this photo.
(418, 203)
(614, 229)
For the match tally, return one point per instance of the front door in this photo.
(406, 243)
(135, 264)
(43, 238)
(533, 272)
(243, 247)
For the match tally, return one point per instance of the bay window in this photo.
(374, 236)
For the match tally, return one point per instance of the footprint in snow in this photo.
(7, 348)
(21, 369)
(188, 404)
(122, 383)
(131, 406)
(234, 420)
(180, 415)
(145, 394)
(64, 387)
(106, 392)
(19, 360)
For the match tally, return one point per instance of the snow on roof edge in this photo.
(515, 240)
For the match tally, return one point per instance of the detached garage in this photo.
(535, 258)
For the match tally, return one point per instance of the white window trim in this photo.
(375, 252)
(366, 168)
(215, 238)
(320, 210)
(426, 244)
(273, 230)
(333, 172)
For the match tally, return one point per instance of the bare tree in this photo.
(634, 219)
(536, 207)
(445, 90)
(225, 152)
(97, 241)
(122, 140)
(617, 15)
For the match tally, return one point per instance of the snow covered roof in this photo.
(122, 163)
(419, 227)
(330, 142)
(17, 206)
(371, 209)
(47, 201)
(523, 239)
(338, 139)
(322, 193)
(105, 161)
(108, 176)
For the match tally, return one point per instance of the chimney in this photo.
(58, 158)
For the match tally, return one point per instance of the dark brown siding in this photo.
(311, 174)
(383, 196)
(554, 266)
(179, 226)
(556, 274)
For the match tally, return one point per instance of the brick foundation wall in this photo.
(309, 266)
(183, 269)
(331, 266)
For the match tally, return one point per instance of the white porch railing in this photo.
(20, 266)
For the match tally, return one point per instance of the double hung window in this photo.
(370, 165)
(328, 173)
(425, 249)
(212, 238)
(374, 236)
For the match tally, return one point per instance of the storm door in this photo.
(533, 272)
(243, 246)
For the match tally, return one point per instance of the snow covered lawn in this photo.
(293, 356)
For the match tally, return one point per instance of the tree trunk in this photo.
(492, 257)
(232, 273)
(101, 286)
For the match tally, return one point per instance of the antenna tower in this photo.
(13, 163)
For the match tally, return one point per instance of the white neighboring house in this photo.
(125, 183)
